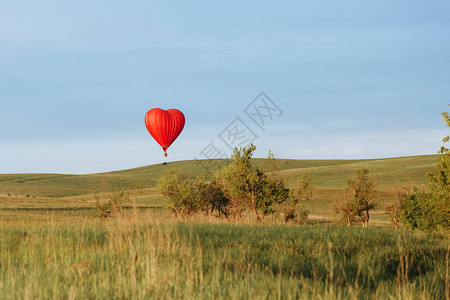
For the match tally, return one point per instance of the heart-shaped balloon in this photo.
(164, 125)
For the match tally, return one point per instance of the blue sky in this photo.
(355, 79)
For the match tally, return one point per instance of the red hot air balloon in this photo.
(164, 125)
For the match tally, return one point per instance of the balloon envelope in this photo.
(164, 125)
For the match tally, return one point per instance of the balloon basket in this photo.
(165, 154)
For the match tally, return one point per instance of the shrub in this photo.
(106, 209)
(424, 211)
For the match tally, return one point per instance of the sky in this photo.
(344, 79)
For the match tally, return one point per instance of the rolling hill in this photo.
(325, 174)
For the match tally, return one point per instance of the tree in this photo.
(431, 211)
(274, 192)
(211, 197)
(236, 179)
(446, 117)
(346, 208)
(274, 163)
(182, 195)
(249, 188)
(301, 189)
(394, 211)
(361, 202)
(419, 211)
(439, 182)
(363, 190)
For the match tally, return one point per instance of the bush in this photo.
(425, 211)
(182, 195)
(106, 209)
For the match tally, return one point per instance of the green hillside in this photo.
(328, 174)
(385, 172)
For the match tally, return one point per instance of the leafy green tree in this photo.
(419, 211)
(361, 201)
(363, 190)
(446, 117)
(236, 179)
(431, 211)
(439, 182)
(274, 192)
(251, 189)
(345, 207)
(181, 194)
(212, 197)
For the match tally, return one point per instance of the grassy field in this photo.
(53, 247)
(144, 255)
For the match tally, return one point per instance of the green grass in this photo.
(135, 258)
(386, 172)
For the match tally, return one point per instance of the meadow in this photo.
(53, 247)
